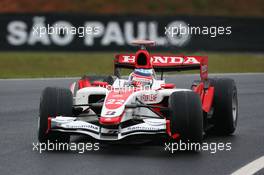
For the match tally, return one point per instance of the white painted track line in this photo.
(251, 167)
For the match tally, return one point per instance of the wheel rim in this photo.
(234, 107)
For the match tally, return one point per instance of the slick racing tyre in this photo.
(186, 116)
(53, 102)
(225, 105)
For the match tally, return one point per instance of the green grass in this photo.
(64, 64)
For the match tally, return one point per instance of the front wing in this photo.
(101, 132)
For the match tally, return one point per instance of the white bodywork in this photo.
(114, 107)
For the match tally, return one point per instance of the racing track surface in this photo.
(19, 100)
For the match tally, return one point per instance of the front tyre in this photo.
(53, 102)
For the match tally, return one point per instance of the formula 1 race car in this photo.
(140, 105)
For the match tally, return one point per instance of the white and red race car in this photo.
(142, 104)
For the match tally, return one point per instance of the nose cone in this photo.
(110, 120)
(114, 107)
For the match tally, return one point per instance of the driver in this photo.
(141, 77)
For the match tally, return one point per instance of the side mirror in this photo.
(168, 86)
(100, 83)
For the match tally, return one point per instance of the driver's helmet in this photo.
(141, 77)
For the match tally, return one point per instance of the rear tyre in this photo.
(53, 102)
(225, 106)
(186, 117)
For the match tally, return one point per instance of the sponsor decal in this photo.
(112, 131)
(148, 97)
(82, 126)
(133, 128)
(204, 68)
(114, 101)
(110, 113)
(162, 60)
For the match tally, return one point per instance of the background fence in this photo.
(115, 32)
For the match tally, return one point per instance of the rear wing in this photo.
(163, 63)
